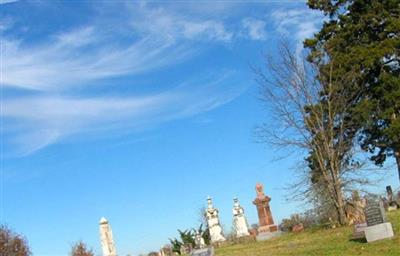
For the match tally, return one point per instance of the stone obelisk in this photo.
(106, 237)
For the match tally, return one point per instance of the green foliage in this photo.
(187, 237)
(176, 245)
(362, 41)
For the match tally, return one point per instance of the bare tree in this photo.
(81, 249)
(12, 244)
(311, 117)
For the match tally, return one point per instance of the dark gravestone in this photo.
(389, 192)
(374, 212)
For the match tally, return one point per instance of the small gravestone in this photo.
(392, 203)
(203, 252)
(359, 230)
(377, 226)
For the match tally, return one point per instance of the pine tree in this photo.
(362, 37)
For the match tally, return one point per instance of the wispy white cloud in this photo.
(61, 64)
(82, 56)
(8, 1)
(254, 29)
(297, 24)
(39, 121)
(163, 23)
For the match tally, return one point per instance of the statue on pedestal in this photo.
(213, 223)
(239, 220)
(266, 223)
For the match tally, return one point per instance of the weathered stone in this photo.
(106, 237)
(266, 222)
(359, 230)
(199, 241)
(203, 252)
(268, 235)
(239, 220)
(374, 212)
(297, 228)
(379, 232)
(355, 209)
(213, 223)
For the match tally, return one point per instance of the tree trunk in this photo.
(342, 218)
(397, 156)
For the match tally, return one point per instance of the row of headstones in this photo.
(376, 226)
(240, 227)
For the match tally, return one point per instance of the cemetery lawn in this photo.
(319, 242)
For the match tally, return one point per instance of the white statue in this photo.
(239, 220)
(213, 223)
(106, 237)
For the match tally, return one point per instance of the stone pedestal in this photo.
(379, 232)
(268, 235)
(266, 222)
(203, 252)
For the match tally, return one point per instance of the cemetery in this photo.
(374, 227)
(149, 128)
(374, 232)
(330, 242)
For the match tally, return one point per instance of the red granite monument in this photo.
(266, 223)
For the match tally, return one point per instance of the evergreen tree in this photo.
(362, 38)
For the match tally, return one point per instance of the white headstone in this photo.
(199, 241)
(213, 223)
(239, 220)
(106, 237)
(379, 232)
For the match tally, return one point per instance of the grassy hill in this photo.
(319, 242)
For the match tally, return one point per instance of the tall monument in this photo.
(266, 223)
(213, 223)
(106, 237)
(239, 220)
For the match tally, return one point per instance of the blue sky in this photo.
(137, 111)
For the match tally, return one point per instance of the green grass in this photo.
(319, 242)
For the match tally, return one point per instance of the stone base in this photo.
(220, 243)
(267, 235)
(203, 252)
(379, 232)
(266, 229)
(243, 239)
(359, 230)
